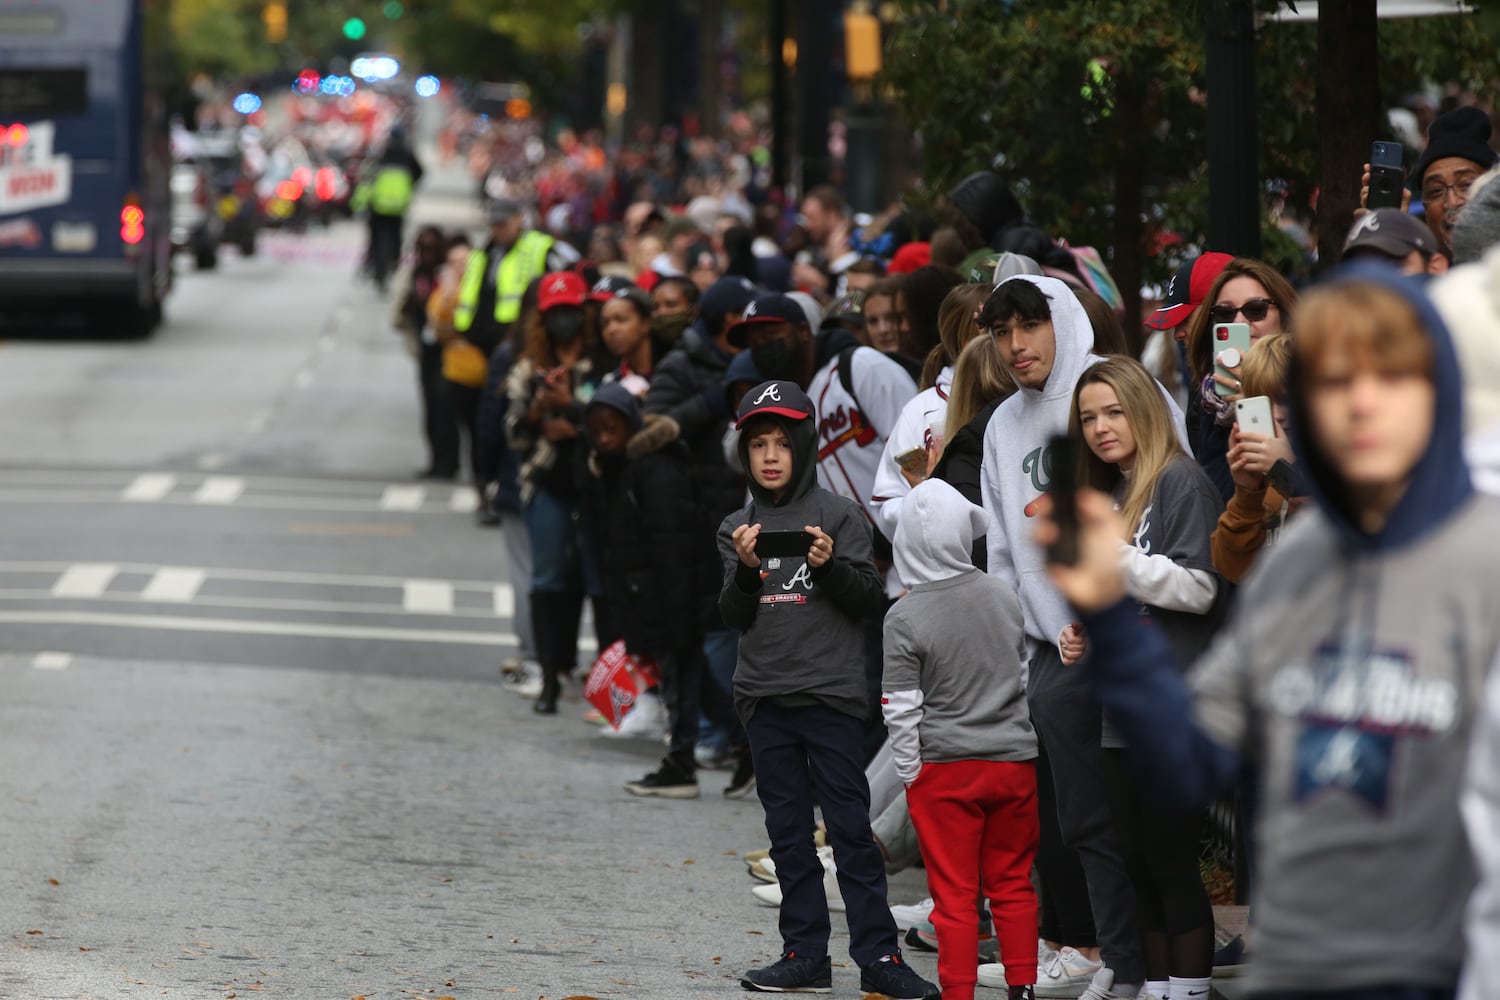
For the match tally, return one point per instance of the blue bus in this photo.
(85, 160)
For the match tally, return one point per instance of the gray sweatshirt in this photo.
(955, 647)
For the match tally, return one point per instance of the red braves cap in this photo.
(783, 399)
(1188, 289)
(561, 289)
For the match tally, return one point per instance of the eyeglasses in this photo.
(1254, 310)
(1435, 193)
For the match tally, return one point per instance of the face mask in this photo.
(669, 328)
(775, 359)
(563, 325)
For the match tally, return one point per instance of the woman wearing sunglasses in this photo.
(1246, 291)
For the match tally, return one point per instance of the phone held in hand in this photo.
(1253, 416)
(1387, 175)
(783, 544)
(913, 461)
(1229, 337)
(1062, 459)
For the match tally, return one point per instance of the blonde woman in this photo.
(1128, 448)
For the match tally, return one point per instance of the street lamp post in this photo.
(1234, 211)
(862, 61)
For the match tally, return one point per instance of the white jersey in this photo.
(852, 436)
(913, 430)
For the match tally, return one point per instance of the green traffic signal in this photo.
(354, 29)
(393, 10)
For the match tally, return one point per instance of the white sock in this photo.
(1157, 988)
(1190, 989)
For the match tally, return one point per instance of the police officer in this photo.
(386, 194)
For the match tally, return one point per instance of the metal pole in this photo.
(1234, 205)
(778, 95)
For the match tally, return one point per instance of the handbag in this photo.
(465, 364)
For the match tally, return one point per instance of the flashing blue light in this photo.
(329, 85)
(428, 86)
(247, 104)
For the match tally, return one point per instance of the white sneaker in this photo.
(1101, 987)
(907, 917)
(645, 720)
(527, 682)
(992, 975)
(770, 895)
(1066, 974)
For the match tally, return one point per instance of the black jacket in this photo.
(658, 550)
(960, 466)
(688, 387)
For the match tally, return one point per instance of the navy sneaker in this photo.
(892, 977)
(794, 973)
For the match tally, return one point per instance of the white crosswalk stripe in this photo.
(84, 580)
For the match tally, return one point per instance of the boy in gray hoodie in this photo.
(961, 735)
(799, 687)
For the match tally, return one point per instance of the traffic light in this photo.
(274, 16)
(354, 29)
(393, 10)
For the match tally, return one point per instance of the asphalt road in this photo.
(252, 735)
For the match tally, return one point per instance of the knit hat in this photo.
(1478, 227)
(986, 201)
(1463, 132)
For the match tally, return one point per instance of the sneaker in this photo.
(792, 974)
(770, 895)
(992, 976)
(893, 978)
(527, 682)
(1066, 974)
(511, 666)
(1230, 960)
(670, 781)
(907, 917)
(743, 781)
(1102, 986)
(825, 855)
(645, 720)
(709, 757)
(923, 936)
(764, 869)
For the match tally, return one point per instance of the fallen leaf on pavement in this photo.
(53, 881)
(36, 932)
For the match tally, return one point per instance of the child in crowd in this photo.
(799, 687)
(1128, 447)
(1258, 511)
(1351, 671)
(656, 561)
(961, 736)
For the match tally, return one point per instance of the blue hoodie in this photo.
(1346, 677)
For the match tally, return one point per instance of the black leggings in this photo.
(1161, 852)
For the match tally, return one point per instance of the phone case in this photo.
(783, 544)
(1227, 335)
(1253, 415)
(1387, 175)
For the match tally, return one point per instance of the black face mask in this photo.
(668, 329)
(563, 325)
(775, 359)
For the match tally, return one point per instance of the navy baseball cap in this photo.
(772, 308)
(725, 296)
(776, 398)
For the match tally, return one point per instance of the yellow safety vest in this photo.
(526, 261)
(390, 191)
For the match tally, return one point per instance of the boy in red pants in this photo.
(960, 731)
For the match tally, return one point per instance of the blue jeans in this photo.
(721, 648)
(561, 558)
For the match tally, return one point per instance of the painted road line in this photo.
(505, 601)
(256, 575)
(311, 630)
(286, 605)
(52, 661)
(149, 487)
(427, 597)
(463, 501)
(179, 585)
(219, 490)
(84, 580)
(402, 498)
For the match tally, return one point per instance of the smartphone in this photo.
(783, 544)
(1229, 337)
(1253, 415)
(1387, 175)
(1062, 460)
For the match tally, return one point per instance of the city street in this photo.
(252, 734)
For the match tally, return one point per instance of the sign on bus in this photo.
(32, 176)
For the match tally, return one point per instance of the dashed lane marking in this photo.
(149, 488)
(402, 498)
(427, 597)
(52, 661)
(310, 630)
(84, 580)
(219, 490)
(178, 585)
(505, 602)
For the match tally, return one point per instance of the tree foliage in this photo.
(1009, 85)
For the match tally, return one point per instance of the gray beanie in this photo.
(1478, 225)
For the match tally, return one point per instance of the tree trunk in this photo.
(1348, 100)
(1130, 182)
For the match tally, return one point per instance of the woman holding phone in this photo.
(1247, 291)
(1127, 447)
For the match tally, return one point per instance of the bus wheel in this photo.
(136, 322)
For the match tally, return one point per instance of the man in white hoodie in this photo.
(1044, 338)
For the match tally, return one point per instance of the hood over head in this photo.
(936, 532)
(620, 399)
(1074, 334)
(1440, 481)
(786, 404)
